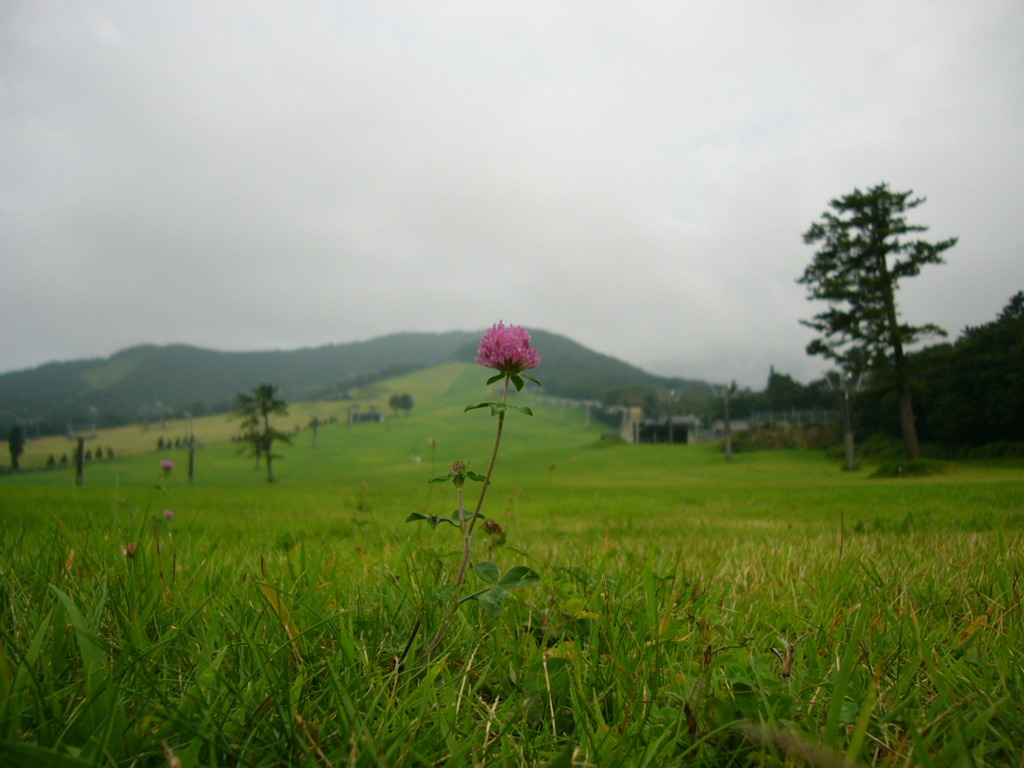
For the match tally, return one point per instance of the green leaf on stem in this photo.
(500, 408)
(434, 520)
(487, 571)
(417, 516)
(518, 576)
(496, 377)
(518, 383)
(493, 600)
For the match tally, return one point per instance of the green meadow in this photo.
(768, 611)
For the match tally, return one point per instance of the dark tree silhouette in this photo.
(862, 256)
(402, 403)
(16, 445)
(255, 410)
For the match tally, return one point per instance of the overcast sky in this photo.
(634, 175)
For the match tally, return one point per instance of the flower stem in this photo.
(467, 544)
(483, 491)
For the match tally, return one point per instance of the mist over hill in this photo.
(146, 381)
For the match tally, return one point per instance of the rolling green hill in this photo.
(151, 382)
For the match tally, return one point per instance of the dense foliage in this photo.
(969, 393)
(781, 393)
(401, 402)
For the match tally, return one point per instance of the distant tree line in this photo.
(781, 393)
(967, 394)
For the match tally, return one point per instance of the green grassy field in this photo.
(768, 611)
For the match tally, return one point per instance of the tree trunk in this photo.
(908, 425)
(268, 446)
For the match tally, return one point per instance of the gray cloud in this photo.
(637, 177)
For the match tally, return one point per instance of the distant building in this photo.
(370, 417)
(682, 429)
(636, 429)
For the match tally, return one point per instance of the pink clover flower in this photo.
(507, 350)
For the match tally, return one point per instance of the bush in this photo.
(882, 448)
(1004, 449)
(769, 438)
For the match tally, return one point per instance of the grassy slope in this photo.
(668, 575)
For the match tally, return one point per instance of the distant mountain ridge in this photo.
(147, 378)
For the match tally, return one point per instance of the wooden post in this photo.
(80, 461)
(671, 434)
(849, 384)
(851, 451)
(728, 427)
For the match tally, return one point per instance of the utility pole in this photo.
(191, 449)
(728, 422)
(848, 384)
(671, 398)
(726, 419)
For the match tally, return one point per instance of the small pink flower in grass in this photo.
(508, 351)
(166, 465)
(168, 514)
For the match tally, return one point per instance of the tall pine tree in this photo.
(863, 253)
